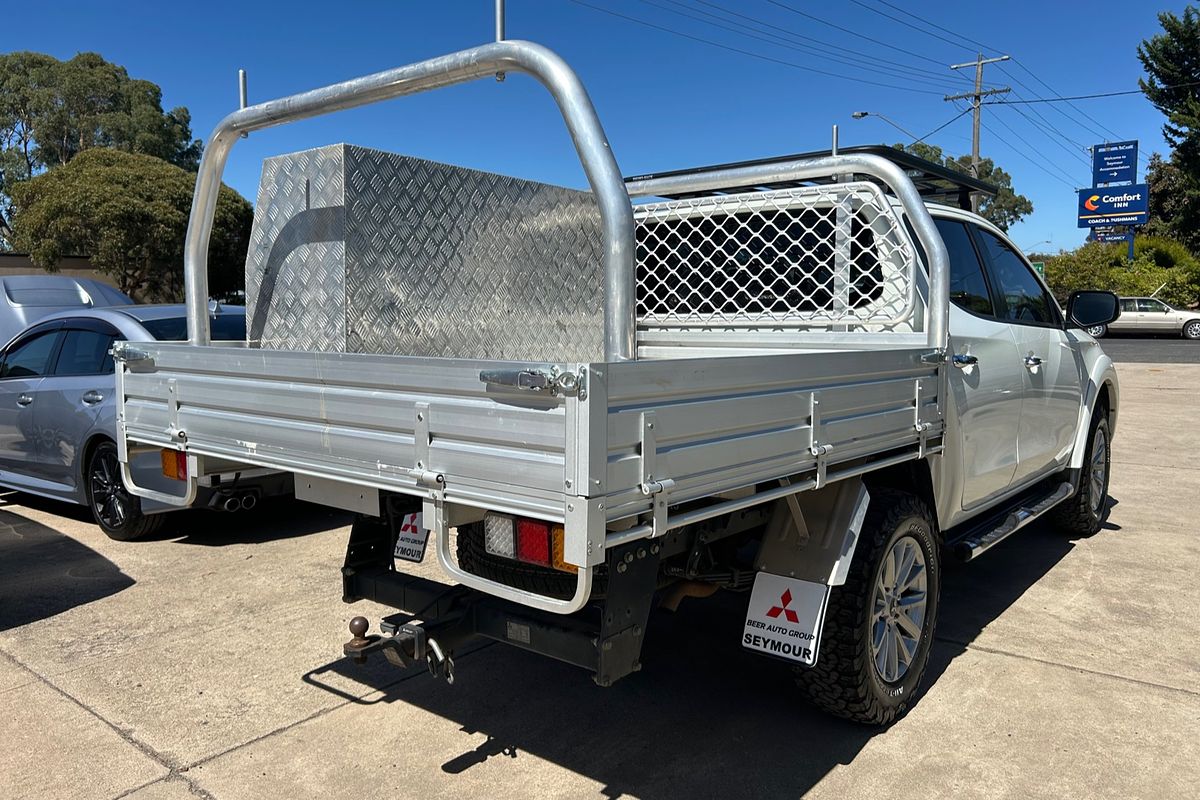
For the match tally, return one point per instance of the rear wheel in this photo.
(116, 511)
(879, 625)
(1098, 331)
(1191, 329)
(1083, 512)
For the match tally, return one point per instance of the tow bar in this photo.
(405, 646)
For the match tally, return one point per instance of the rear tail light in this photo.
(533, 542)
(498, 535)
(530, 541)
(174, 464)
(557, 537)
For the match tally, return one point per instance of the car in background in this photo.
(58, 417)
(1150, 315)
(24, 299)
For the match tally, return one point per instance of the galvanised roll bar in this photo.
(573, 102)
(812, 168)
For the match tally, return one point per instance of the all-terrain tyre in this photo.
(116, 511)
(856, 676)
(1084, 512)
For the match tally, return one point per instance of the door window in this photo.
(30, 358)
(1020, 297)
(85, 353)
(1152, 306)
(1128, 305)
(968, 287)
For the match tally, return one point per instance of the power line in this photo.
(835, 26)
(1028, 156)
(775, 40)
(1013, 77)
(908, 24)
(1068, 144)
(822, 46)
(932, 24)
(1078, 121)
(1087, 96)
(1038, 78)
(943, 125)
(750, 53)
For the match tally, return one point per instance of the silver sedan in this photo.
(1149, 315)
(58, 426)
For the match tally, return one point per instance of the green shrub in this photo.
(1160, 265)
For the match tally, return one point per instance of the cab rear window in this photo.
(225, 328)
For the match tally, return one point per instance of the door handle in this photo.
(92, 397)
(964, 360)
(24, 400)
(1032, 362)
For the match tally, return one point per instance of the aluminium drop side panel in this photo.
(354, 418)
(725, 423)
(362, 251)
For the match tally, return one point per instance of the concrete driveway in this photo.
(205, 663)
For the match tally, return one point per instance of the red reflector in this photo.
(533, 542)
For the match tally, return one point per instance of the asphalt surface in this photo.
(1151, 349)
(206, 663)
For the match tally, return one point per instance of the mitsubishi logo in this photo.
(785, 600)
(410, 525)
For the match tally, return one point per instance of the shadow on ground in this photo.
(704, 718)
(273, 519)
(44, 572)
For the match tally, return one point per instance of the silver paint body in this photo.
(671, 414)
(42, 440)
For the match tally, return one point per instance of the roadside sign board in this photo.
(1110, 234)
(1039, 267)
(1114, 162)
(1115, 205)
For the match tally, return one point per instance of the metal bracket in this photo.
(922, 428)
(421, 473)
(818, 450)
(173, 412)
(654, 485)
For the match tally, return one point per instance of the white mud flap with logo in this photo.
(785, 617)
(411, 538)
(806, 551)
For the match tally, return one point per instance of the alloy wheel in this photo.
(898, 609)
(109, 499)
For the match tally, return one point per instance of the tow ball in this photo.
(408, 645)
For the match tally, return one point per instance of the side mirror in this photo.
(1088, 309)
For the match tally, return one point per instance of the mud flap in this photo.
(785, 617)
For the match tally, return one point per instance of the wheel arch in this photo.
(914, 477)
(1104, 395)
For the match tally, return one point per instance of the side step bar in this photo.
(980, 540)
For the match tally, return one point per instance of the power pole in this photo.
(976, 107)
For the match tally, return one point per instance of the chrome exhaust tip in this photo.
(231, 504)
(249, 501)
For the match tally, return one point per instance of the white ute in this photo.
(797, 379)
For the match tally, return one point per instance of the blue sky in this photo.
(667, 101)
